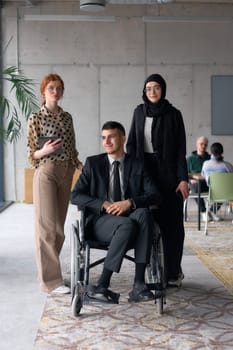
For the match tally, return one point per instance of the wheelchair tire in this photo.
(159, 304)
(75, 247)
(75, 259)
(76, 305)
(155, 272)
(77, 300)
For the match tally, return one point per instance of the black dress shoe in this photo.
(140, 293)
(104, 294)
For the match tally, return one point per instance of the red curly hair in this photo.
(46, 80)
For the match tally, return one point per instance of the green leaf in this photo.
(26, 102)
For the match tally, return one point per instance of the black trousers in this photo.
(170, 219)
(123, 233)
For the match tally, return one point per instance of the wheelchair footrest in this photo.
(158, 289)
(104, 295)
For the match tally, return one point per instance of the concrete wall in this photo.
(104, 66)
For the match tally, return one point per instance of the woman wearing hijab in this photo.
(157, 137)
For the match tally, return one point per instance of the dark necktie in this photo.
(116, 182)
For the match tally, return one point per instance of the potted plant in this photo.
(26, 102)
(23, 103)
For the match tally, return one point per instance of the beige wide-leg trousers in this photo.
(51, 193)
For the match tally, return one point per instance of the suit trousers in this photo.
(123, 233)
(51, 193)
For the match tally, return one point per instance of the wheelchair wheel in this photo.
(77, 301)
(160, 291)
(151, 270)
(160, 274)
(155, 275)
(159, 303)
(74, 262)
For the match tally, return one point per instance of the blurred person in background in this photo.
(194, 164)
(215, 164)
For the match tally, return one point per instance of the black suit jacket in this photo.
(91, 189)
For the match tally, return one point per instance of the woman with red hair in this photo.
(52, 152)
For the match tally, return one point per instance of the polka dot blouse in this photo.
(60, 125)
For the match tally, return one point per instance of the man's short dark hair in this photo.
(114, 125)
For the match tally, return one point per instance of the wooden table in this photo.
(199, 178)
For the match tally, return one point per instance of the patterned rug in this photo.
(214, 250)
(197, 316)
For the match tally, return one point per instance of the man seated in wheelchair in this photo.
(116, 197)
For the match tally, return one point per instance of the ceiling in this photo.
(32, 3)
(127, 2)
(150, 2)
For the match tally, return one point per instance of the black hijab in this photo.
(153, 109)
(158, 79)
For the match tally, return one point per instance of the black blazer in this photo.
(91, 189)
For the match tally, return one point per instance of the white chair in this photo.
(192, 195)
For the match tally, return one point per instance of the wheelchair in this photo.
(81, 265)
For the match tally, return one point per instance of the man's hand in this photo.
(117, 208)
